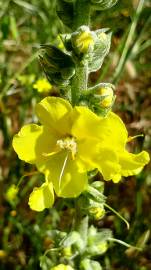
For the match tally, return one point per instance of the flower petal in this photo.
(110, 129)
(33, 141)
(42, 197)
(114, 131)
(107, 163)
(55, 113)
(85, 123)
(68, 176)
(132, 164)
(87, 151)
(94, 155)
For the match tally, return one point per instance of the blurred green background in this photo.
(24, 25)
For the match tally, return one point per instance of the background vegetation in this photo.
(24, 234)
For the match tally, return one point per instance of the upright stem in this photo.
(80, 79)
(81, 13)
(79, 82)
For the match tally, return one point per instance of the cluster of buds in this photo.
(85, 243)
(82, 47)
(92, 201)
(88, 46)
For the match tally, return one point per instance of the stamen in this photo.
(134, 137)
(68, 144)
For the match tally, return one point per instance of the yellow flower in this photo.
(70, 142)
(42, 86)
(62, 267)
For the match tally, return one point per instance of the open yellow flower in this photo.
(70, 142)
(42, 85)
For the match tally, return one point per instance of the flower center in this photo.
(69, 143)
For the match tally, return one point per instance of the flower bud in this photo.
(11, 193)
(108, 95)
(67, 252)
(83, 40)
(62, 267)
(97, 212)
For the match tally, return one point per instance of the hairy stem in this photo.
(80, 79)
(81, 13)
(79, 83)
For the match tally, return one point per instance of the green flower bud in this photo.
(67, 252)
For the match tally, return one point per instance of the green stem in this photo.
(79, 82)
(81, 13)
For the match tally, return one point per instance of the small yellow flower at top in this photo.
(108, 94)
(11, 193)
(62, 267)
(42, 85)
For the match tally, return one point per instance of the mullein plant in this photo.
(78, 137)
